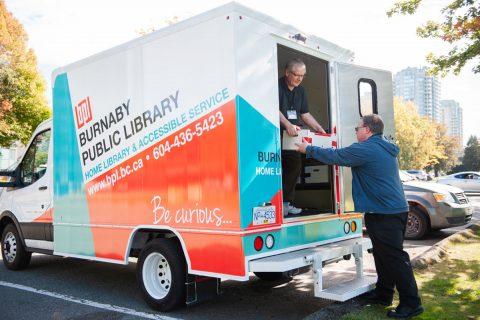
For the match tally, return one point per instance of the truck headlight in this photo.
(444, 197)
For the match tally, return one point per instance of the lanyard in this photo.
(291, 99)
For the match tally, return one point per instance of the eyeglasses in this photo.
(296, 75)
(358, 128)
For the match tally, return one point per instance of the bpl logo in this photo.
(83, 112)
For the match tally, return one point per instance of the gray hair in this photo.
(374, 122)
(291, 64)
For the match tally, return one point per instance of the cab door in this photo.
(361, 91)
(32, 198)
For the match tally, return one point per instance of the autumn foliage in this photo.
(423, 143)
(23, 104)
(460, 27)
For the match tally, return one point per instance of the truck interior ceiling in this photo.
(315, 188)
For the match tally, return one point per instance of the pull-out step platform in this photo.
(348, 289)
(319, 256)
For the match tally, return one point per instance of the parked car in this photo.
(433, 206)
(419, 174)
(468, 181)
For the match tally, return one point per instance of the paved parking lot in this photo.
(67, 288)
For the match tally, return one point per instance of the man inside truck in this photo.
(377, 191)
(293, 109)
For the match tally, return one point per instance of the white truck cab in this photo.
(27, 203)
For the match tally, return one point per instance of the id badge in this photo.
(292, 114)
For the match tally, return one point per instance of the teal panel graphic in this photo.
(70, 202)
(259, 159)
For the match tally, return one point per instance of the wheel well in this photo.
(143, 236)
(8, 218)
(4, 222)
(423, 211)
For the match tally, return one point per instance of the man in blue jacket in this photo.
(377, 191)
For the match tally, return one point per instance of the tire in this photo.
(417, 224)
(163, 290)
(270, 276)
(14, 254)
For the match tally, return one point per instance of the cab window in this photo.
(34, 164)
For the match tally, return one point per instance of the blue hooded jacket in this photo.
(376, 185)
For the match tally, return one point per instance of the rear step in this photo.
(318, 257)
(349, 289)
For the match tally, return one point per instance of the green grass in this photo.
(449, 289)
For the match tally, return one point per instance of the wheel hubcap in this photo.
(10, 247)
(413, 225)
(157, 275)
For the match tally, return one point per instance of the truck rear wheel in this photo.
(417, 224)
(161, 273)
(14, 255)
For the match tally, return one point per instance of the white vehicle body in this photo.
(168, 148)
(468, 181)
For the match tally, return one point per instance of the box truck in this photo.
(167, 149)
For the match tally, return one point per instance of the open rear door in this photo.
(361, 91)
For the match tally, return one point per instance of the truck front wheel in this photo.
(161, 273)
(14, 255)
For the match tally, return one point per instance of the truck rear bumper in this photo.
(318, 257)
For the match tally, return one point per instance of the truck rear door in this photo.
(361, 91)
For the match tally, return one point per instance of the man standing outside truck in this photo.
(293, 108)
(377, 191)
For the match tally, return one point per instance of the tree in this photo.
(423, 143)
(471, 157)
(23, 104)
(449, 147)
(415, 137)
(460, 28)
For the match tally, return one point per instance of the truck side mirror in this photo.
(4, 177)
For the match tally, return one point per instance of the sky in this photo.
(65, 31)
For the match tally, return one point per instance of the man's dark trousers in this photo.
(392, 263)
(291, 168)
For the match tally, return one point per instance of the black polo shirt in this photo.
(292, 100)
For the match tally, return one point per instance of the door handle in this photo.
(42, 188)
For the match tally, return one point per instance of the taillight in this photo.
(354, 226)
(349, 227)
(269, 241)
(258, 243)
(346, 227)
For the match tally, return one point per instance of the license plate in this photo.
(263, 215)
